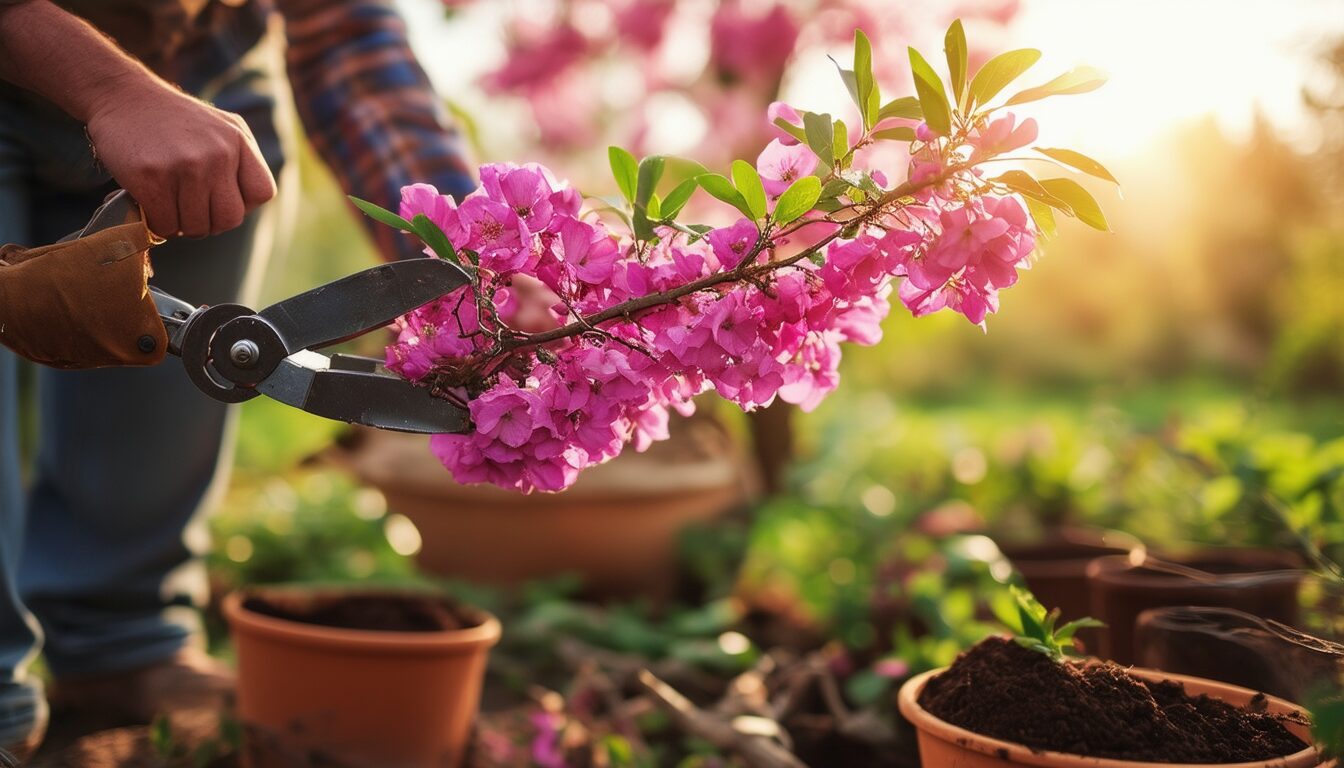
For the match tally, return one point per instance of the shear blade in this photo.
(307, 380)
(353, 305)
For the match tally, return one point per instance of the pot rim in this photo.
(1124, 570)
(368, 641)
(908, 703)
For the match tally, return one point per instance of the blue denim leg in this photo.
(21, 698)
(127, 457)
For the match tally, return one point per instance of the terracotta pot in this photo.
(1055, 568)
(1235, 647)
(1261, 583)
(618, 527)
(943, 745)
(364, 697)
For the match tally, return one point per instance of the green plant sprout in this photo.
(1038, 631)
(1326, 707)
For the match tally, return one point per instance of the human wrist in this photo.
(64, 59)
(111, 91)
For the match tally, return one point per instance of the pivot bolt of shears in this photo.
(244, 353)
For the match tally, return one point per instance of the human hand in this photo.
(194, 169)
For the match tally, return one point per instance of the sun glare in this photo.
(1171, 61)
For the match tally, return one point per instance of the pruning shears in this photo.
(233, 353)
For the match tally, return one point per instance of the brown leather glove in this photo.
(83, 303)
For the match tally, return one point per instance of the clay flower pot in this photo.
(1235, 647)
(1261, 583)
(618, 527)
(943, 745)
(395, 699)
(1055, 568)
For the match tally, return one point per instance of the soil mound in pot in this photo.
(1002, 690)
(377, 612)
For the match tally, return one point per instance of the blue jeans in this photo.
(99, 563)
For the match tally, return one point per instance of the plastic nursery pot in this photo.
(943, 745)
(392, 699)
(618, 527)
(1259, 582)
(1235, 647)
(1055, 567)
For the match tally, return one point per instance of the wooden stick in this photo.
(756, 748)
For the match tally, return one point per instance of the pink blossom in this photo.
(812, 374)
(956, 294)
(546, 749)
(495, 232)
(588, 251)
(537, 54)
(1002, 135)
(733, 244)
(439, 208)
(509, 413)
(524, 190)
(782, 164)
(778, 110)
(643, 22)
(750, 47)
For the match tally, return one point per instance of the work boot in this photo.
(189, 681)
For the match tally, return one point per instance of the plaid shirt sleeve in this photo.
(368, 107)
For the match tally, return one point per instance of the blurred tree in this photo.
(1325, 98)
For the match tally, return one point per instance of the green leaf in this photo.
(720, 187)
(791, 129)
(820, 137)
(748, 183)
(650, 172)
(430, 233)
(1022, 183)
(678, 197)
(954, 47)
(1043, 216)
(932, 97)
(382, 215)
(1077, 80)
(869, 95)
(999, 71)
(1082, 203)
(840, 141)
(850, 80)
(906, 107)
(654, 208)
(835, 187)
(623, 169)
(797, 200)
(1067, 631)
(1078, 160)
(899, 133)
(161, 737)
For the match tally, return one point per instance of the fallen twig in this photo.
(754, 739)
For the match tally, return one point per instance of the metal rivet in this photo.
(244, 353)
(147, 344)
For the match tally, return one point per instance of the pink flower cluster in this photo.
(578, 401)
(543, 412)
(560, 52)
(970, 248)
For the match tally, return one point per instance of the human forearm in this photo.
(368, 107)
(64, 59)
(194, 169)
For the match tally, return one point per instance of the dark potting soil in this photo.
(1002, 690)
(380, 612)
